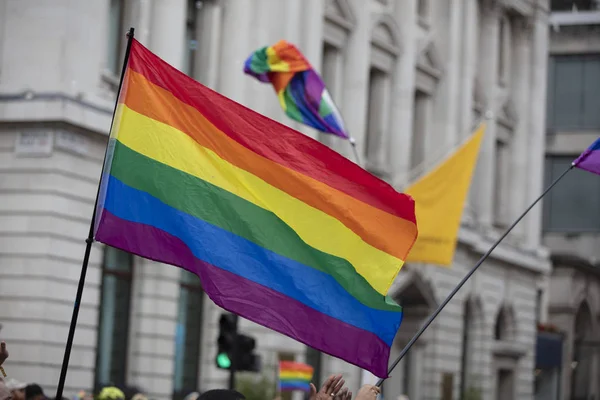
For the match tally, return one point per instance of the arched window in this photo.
(472, 336)
(504, 328)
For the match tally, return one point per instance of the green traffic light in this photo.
(223, 361)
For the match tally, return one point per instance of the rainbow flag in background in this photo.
(294, 376)
(300, 89)
(280, 229)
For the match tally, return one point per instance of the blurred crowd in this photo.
(12, 389)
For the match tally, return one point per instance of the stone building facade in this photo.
(411, 77)
(571, 221)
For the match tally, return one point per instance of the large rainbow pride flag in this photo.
(280, 229)
(301, 91)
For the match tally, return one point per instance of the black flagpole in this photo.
(88, 247)
(466, 278)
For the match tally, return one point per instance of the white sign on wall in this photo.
(72, 142)
(34, 143)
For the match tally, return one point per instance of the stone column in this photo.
(167, 32)
(520, 90)
(537, 126)
(483, 183)
(403, 94)
(357, 74)
(469, 66)
(142, 21)
(445, 131)
(208, 37)
(310, 38)
(235, 48)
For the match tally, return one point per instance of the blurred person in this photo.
(111, 393)
(192, 396)
(3, 352)
(5, 393)
(33, 391)
(16, 388)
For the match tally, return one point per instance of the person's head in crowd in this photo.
(222, 394)
(16, 388)
(5, 393)
(34, 391)
(111, 393)
(192, 396)
(139, 396)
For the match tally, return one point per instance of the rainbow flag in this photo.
(589, 160)
(280, 229)
(300, 89)
(294, 376)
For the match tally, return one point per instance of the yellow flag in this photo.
(440, 199)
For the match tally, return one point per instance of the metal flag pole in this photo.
(466, 278)
(88, 247)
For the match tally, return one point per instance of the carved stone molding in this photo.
(386, 34)
(340, 13)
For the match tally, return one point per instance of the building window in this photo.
(384, 55)
(502, 328)
(574, 5)
(466, 350)
(572, 205)
(191, 42)
(420, 119)
(502, 178)
(188, 335)
(332, 73)
(113, 327)
(574, 93)
(504, 51)
(115, 42)
(376, 104)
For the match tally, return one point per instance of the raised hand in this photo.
(329, 390)
(343, 394)
(368, 392)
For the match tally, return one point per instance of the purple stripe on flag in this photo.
(250, 300)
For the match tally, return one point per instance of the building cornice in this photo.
(535, 260)
(572, 261)
(31, 106)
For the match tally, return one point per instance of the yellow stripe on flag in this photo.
(440, 199)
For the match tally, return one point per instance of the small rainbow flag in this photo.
(281, 230)
(300, 89)
(294, 376)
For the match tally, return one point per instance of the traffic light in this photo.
(226, 341)
(247, 360)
